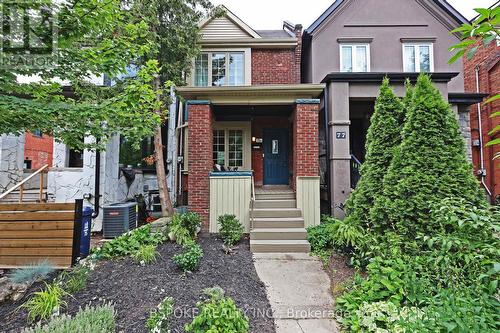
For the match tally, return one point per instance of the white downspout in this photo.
(482, 171)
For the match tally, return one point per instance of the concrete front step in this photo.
(275, 196)
(279, 246)
(289, 203)
(278, 234)
(276, 212)
(287, 222)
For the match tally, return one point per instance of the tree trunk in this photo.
(166, 204)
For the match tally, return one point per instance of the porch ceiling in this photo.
(253, 95)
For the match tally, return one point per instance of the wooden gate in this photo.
(32, 232)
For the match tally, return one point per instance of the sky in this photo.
(270, 14)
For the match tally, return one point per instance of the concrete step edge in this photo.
(278, 230)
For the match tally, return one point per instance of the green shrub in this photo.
(74, 280)
(38, 271)
(433, 250)
(332, 232)
(231, 230)
(100, 319)
(146, 254)
(184, 227)
(190, 258)
(321, 236)
(430, 165)
(159, 319)
(218, 314)
(129, 243)
(383, 137)
(380, 317)
(44, 303)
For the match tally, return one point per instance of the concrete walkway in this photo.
(299, 292)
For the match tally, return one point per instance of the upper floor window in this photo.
(219, 69)
(418, 57)
(354, 57)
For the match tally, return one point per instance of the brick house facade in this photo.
(249, 122)
(38, 150)
(486, 64)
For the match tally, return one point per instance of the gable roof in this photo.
(274, 33)
(443, 4)
(235, 20)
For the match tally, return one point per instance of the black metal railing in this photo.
(355, 171)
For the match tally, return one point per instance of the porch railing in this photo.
(355, 171)
(252, 201)
(21, 184)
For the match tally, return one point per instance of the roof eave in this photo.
(378, 77)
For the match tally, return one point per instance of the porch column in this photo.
(306, 180)
(340, 155)
(200, 158)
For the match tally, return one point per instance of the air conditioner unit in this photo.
(119, 218)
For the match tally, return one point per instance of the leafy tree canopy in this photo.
(155, 38)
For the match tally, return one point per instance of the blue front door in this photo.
(276, 157)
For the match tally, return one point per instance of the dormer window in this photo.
(418, 57)
(218, 69)
(354, 57)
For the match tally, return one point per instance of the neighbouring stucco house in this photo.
(351, 47)
(247, 112)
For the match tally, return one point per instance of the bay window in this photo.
(217, 69)
(354, 57)
(418, 57)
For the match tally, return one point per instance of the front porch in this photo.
(253, 152)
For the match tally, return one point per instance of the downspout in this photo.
(327, 147)
(97, 185)
(482, 171)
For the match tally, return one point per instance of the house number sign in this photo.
(341, 135)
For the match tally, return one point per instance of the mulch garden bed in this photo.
(135, 290)
(340, 272)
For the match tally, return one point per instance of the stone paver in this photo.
(299, 292)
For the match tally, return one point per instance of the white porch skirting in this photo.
(308, 200)
(230, 194)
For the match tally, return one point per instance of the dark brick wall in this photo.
(39, 150)
(488, 60)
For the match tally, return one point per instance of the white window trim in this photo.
(247, 55)
(353, 47)
(246, 128)
(417, 55)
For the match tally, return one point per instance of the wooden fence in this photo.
(32, 232)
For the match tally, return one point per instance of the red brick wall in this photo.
(200, 160)
(258, 124)
(488, 60)
(277, 66)
(39, 150)
(305, 143)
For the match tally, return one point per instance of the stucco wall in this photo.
(11, 160)
(386, 22)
